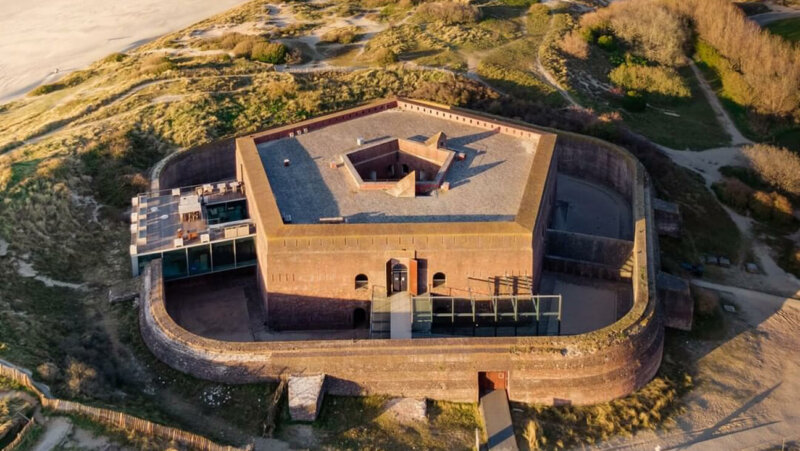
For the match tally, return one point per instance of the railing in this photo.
(423, 308)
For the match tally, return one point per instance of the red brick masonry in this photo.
(581, 369)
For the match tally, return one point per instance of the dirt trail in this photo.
(722, 115)
(56, 431)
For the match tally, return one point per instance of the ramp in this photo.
(401, 319)
(497, 419)
(391, 317)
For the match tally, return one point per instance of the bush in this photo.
(344, 35)
(115, 58)
(574, 44)
(648, 27)
(269, 52)
(772, 207)
(606, 42)
(734, 193)
(256, 48)
(652, 79)
(449, 13)
(243, 49)
(777, 166)
(633, 101)
(157, 64)
(385, 56)
(538, 19)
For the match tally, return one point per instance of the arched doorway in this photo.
(359, 318)
(399, 278)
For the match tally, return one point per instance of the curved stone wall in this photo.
(581, 369)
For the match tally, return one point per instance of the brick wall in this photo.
(588, 368)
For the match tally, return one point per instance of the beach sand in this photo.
(41, 40)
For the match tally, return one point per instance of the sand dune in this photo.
(40, 37)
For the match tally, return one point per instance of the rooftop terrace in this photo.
(486, 185)
(169, 219)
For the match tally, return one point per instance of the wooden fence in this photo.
(113, 418)
(20, 435)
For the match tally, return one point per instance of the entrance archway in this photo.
(359, 318)
(399, 278)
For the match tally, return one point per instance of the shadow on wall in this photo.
(204, 164)
(297, 312)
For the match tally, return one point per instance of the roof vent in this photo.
(360, 141)
(286, 162)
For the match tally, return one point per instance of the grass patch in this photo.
(447, 59)
(356, 423)
(788, 29)
(680, 124)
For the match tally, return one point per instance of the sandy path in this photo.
(39, 36)
(748, 384)
(55, 432)
(722, 115)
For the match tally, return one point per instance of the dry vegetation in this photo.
(763, 71)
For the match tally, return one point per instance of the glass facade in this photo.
(245, 252)
(174, 264)
(199, 259)
(224, 257)
(206, 258)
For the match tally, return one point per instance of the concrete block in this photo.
(305, 396)
(406, 410)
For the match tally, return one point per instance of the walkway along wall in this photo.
(582, 369)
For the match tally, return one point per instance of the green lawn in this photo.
(680, 124)
(789, 29)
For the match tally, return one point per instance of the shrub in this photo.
(575, 45)
(633, 101)
(385, 56)
(243, 49)
(269, 52)
(343, 35)
(771, 207)
(157, 64)
(606, 42)
(734, 193)
(520, 3)
(538, 19)
(449, 12)
(652, 79)
(115, 58)
(648, 27)
(777, 166)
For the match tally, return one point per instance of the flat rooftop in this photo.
(156, 219)
(487, 185)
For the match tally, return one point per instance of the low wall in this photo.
(582, 369)
(590, 248)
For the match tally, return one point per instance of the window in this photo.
(439, 280)
(362, 281)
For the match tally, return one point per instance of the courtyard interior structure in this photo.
(458, 207)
